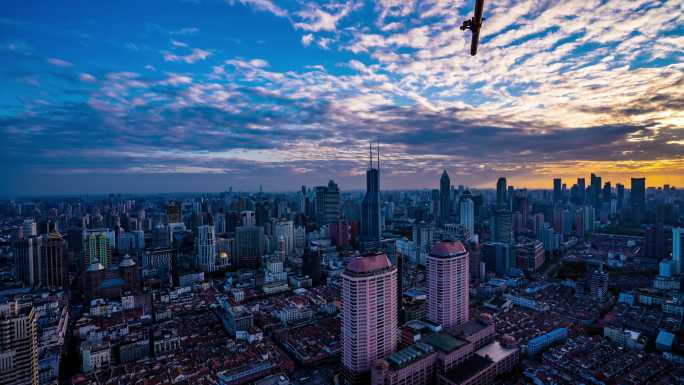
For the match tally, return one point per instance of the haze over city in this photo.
(164, 96)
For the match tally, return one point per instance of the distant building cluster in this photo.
(453, 285)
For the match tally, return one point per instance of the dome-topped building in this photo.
(128, 271)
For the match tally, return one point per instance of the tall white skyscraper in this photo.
(677, 249)
(206, 248)
(468, 215)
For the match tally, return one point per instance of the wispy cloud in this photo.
(185, 31)
(59, 62)
(86, 77)
(197, 54)
(262, 5)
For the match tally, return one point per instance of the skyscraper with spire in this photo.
(370, 208)
(444, 198)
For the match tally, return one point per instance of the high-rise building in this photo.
(529, 255)
(285, 229)
(502, 226)
(655, 241)
(311, 265)
(98, 244)
(29, 228)
(173, 213)
(220, 223)
(620, 192)
(677, 249)
(607, 192)
(435, 201)
(447, 280)
(369, 314)
(248, 218)
(370, 208)
(579, 223)
(53, 264)
(501, 201)
(27, 254)
(498, 257)
(205, 244)
(444, 198)
(249, 245)
(595, 190)
(557, 190)
(581, 184)
(327, 203)
(637, 199)
(589, 219)
(521, 205)
(467, 218)
(423, 235)
(18, 344)
(599, 284)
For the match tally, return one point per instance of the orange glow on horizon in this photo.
(657, 173)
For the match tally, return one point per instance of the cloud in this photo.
(315, 19)
(86, 77)
(307, 39)
(185, 31)
(558, 88)
(59, 62)
(261, 5)
(196, 55)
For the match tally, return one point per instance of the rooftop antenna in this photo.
(378, 155)
(370, 154)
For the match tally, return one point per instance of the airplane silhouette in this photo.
(474, 24)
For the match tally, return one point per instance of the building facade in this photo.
(369, 314)
(447, 279)
(18, 344)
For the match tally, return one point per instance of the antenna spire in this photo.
(378, 145)
(370, 153)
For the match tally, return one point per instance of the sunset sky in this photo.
(147, 96)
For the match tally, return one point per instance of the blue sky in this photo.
(201, 95)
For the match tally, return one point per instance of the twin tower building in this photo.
(370, 323)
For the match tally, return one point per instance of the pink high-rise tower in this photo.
(447, 278)
(370, 327)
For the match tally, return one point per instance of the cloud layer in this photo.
(559, 88)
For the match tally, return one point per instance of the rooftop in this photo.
(447, 249)
(495, 351)
(665, 338)
(368, 263)
(473, 327)
(468, 369)
(444, 342)
(127, 261)
(409, 355)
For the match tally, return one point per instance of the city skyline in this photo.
(245, 93)
(354, 190)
